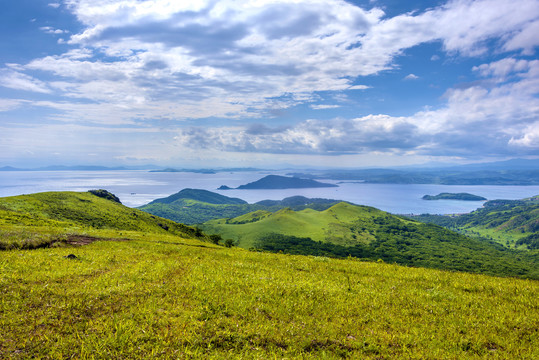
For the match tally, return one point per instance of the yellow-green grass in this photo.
(506, 238)
(44, 218)
(156, 294)
(161, 296)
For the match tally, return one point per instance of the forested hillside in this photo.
(510, 222)
(364, 232)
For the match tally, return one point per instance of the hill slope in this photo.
(332, 224)
(365, 232)
(510, 222)
(200, 195)
(54, 212)
(149, 298)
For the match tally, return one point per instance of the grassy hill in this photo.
(365, 232)
(38, 220)
(194, 206)
(200, 195)
(514, 223)
(332, 224)
(148, 292)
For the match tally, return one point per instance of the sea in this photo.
(139, 187)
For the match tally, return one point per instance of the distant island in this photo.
(454, 196)
(198, 171)
(280, 182)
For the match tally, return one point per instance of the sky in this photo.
(268, 83)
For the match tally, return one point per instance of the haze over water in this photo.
(136, 188)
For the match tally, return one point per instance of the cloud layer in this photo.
(138, 63)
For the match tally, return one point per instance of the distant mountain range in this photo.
(511, 172)
(78, 168)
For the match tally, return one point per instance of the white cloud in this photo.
(51, 30)
(500, 69)
(18, 81)
(411, 77)
(323, 107)
(529, 138)
(491, 121)
(526, 39)
(237, 58)
(139, 62)
(54, 5)
(359, 87)
(466, 25)
(10, 104)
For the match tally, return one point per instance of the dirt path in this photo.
(80, 240)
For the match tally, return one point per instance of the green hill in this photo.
(193, 206)
(33, 220)
(147, 292)
(200, 195)
(366, 232)
(332, 224)
(509, 222)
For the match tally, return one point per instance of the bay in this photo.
(136, 188)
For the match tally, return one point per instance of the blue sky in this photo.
(268, 82)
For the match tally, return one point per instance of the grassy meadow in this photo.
(167, 297)
(141, 291)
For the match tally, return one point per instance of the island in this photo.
(197, 171)
(454, 196)
(280, 182)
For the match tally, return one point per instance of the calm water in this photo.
(136, 188)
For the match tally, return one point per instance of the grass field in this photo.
(155, 293)
(166, 297)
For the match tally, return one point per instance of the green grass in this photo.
(333, 224)
(167, 297)
(39, 219)
(148, 292)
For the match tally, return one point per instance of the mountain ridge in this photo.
(189, 206)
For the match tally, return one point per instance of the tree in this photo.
(215, 238)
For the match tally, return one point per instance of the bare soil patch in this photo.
(80, 240)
